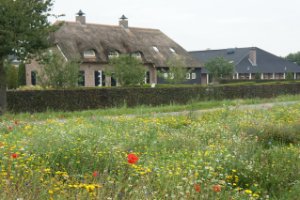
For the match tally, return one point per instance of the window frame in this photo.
(113, 54)
(89, 53)
(188, 76)
(194, 76)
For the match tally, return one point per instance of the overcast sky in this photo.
(273, 25)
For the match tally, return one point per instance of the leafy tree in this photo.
(219, 68)
(257, 76)
(128, 70)
(11, 75)
(294, 57)
(289, 76)
(58, 73)
(24, 29)
(21, 75)
(177, 70)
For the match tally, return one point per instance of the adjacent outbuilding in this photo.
(250, 63)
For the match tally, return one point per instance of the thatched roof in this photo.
(74, 38)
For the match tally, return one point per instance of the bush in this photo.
(11, 76)
(21, 75)
(276, 134)
(80, 99)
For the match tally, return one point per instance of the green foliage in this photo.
(289, 76)
(128, 70)
(177, 71)
(176, 153)
(24, 29)
(257, 76)
(11, 75)
(70, 100)
(24, 26)
(58, 73)
(22, 75)
(219, 68)
(294, 57)
(270, 134)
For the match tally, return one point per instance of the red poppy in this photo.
(217, 188)
(14, 155)
(197, 188)
(132, 158)
(95, 174)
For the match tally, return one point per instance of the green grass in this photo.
(246, 154)
(147, 110)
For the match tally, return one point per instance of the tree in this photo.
(177, 70)
(289, 76)
(128, 70)
(57, 72)
(219, 68)
(257, 76)
(24, 29)
(294, 57)
(21, 75)
(11, 75)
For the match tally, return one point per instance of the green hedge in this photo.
(231, 81)
(81, 99)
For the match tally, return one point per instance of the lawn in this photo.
(225, 154)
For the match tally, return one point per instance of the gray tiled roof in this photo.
(266, 62)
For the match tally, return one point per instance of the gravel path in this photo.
(241, 107)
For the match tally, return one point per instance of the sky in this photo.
(272, 25)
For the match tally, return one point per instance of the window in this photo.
(166, 75)
(171, 75)
(147, 77)
(172, 50)
(155, 49)
(113, 81)
(99, 78)
(81, 78)
(89, 53)
(188, 76)
(194, 75)
(113, 54)
(33, 77)
(137, 55)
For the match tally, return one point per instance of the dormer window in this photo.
(113, 54)
(89, 53)
(172, 50)
(137, 55)
(155, 49)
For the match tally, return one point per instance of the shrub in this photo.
(11, 76)
(128, 70)
(21, 75)
(80, 99)
(276, 134)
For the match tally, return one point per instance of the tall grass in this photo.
(225, 154)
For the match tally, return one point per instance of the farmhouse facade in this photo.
(96, 44)
(251, 63)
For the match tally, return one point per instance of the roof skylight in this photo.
(155, 49)
(172, 50)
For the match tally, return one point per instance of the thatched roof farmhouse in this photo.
(95, 44)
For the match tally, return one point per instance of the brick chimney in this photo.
(123, 22)
(80, 18)
(252, 56)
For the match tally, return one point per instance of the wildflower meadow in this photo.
(224, 154)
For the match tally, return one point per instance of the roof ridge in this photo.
(108, 25)
(221, 49)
